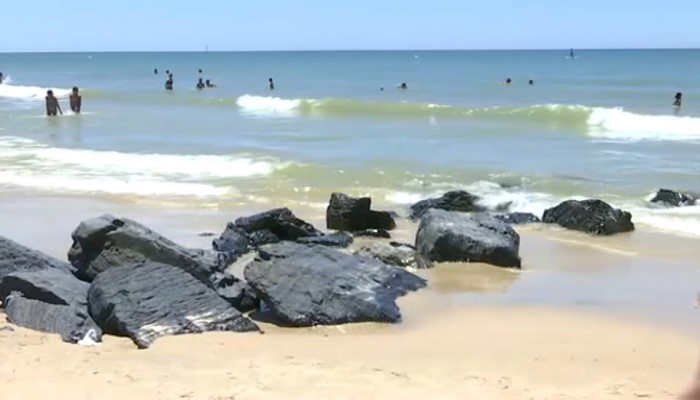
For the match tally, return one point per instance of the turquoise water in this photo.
(599, 125)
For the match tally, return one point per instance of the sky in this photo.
(229, 25)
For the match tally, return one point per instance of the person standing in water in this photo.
(1, 78)
(272, 84)
(200, 84)
(209, 84)
(169, 82)
(678, 100)
(52, 106)
(155, 71)
(76, 101)
(571, 53)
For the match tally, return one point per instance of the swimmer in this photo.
(169, 82)
(403, 86)
(200, 84)
(1, 78)
(52, 106)
(272, 84)
(200, 71)
(76, 101)
(209, 84)
(509, 81)
(531, 82)
(155, 71)
(678, 100)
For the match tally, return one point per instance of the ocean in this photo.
(600, 125)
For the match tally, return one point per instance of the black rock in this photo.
(14, 257)
(316, 285)
(345, 213)
(102, 243)
(236, 292)
(151, 300)
(398, 254)
(233, 240)
(339, 239)
(674, 199)
(595, 217)
(518, 218)
(445, 236)
(376, 233)
(51, 285)
(281, 222)
(263, 237)
(458, 200)
(72, 322)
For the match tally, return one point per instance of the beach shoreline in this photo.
(586, 318)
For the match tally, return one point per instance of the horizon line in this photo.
(340, 50)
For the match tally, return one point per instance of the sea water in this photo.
(600, 125)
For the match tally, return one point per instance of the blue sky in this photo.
(97, 25)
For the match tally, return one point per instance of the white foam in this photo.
(29, 93)
(268, 106)
(30, 164)
(404, 198)
(677, 220)
(617, 124)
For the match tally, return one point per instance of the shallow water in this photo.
(600, 125)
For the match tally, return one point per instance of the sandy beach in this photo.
(479, 353)
(586, 319)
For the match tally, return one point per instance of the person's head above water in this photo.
(200, 71)
(404, 86)
(509, 81)
(531, 82)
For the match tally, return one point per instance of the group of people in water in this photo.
(201, 83)
(53, 108)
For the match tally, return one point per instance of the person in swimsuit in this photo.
(272, 84)
(200, 84)
(209, 84)
(678, 99)
(76, 101)
(169, 82)
(52, 106)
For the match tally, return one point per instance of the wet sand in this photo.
(587, 318)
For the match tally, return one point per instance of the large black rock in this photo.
(281, 222)
(102, 243)
(345, 213)
(397, 254)
(233, 240)
(50, 285)
(457, 200)
(15, 257)
(445, 236)
(151, 300)
(338, 239)
(72, 322)
(674, 199)
(595, 217)
(316, 285)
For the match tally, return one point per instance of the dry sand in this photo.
(477, 353)
(568, 327)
